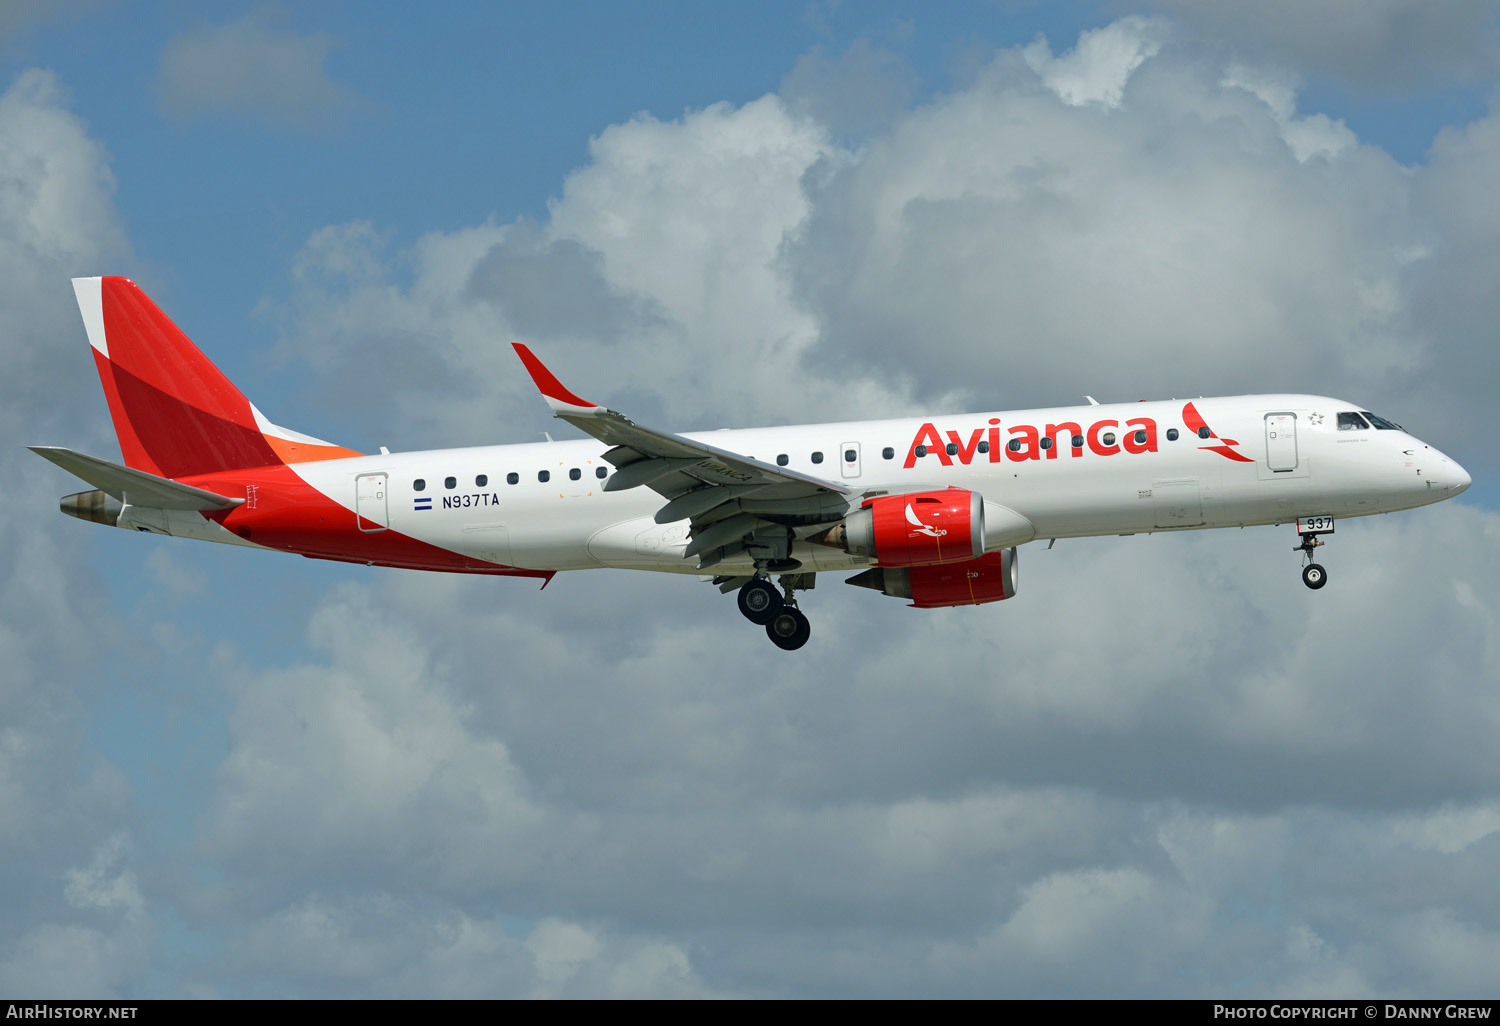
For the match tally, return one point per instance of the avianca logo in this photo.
(921, 528)
(1028, 442)
(1196, 424)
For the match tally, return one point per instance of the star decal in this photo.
(1316, 419)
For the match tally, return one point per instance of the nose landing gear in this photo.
(1313, 574)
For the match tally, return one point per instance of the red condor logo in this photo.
(1196, 424)
(1027, 442)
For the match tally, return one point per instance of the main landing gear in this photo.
(1313, 574)
(785, 624)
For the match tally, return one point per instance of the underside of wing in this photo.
(736, 504)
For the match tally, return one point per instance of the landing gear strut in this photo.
(1313, 574)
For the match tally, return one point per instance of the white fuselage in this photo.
(1289, 459)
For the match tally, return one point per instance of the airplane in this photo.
(928, 509)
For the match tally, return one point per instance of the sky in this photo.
(1165, 768)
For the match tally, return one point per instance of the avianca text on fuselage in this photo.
(1106, 437)
(201, 461)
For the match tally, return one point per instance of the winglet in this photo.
(559, 398)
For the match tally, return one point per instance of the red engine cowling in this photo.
(917, 529)
(989, 578)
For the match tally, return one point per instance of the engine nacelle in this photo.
(915, 529)
(989, 578)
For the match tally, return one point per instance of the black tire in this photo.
(789, 629)
(1314, 576)
(760, 601)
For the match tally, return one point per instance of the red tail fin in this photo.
(175, 413)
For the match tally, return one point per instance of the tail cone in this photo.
(94, 505)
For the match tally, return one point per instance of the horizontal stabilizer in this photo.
(134, 487)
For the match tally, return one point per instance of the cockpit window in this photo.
(1382, 423)
(1352, 422)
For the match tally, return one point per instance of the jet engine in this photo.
(915, 529)
(989, 578)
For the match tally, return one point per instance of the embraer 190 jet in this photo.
(928, 509)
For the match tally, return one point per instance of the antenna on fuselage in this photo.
(1092, 400)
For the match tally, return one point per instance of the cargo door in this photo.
(1178, 502)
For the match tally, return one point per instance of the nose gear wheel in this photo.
(1313, 574)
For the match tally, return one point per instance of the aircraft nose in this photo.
(1458, 478)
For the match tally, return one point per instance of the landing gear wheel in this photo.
(1314, 576)
(759, 601)
(789, 629)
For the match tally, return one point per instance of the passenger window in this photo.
(1046, 442)
(782, 460)
(1077, 441)
(544, 476)
(512, 478)
(1204, 432)
(952, 448)
(574, 474)
(888, 453)
(1352, 422)
(1109, 438)
(921, 450)
(1171, 434)
(482, 480)
(419, 485)
(1015, 445)
(985, 446)
(850, 455)
(1140, 438)
(817, 457)
(450, 482)
(601, 472)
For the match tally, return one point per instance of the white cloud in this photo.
(857, 94)
(401, 948)
(19, 16)
(247, 69)
(81, 930)
(1096, 70)
(1174, 244)
(1390, 44)
(99, 885)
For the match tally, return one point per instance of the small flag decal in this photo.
(423, 502)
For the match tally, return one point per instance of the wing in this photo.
(736, 503)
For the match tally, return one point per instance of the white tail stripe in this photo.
(267, 428)
(90, 293)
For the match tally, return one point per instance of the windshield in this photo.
(1352, 422)
(1383, 424)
